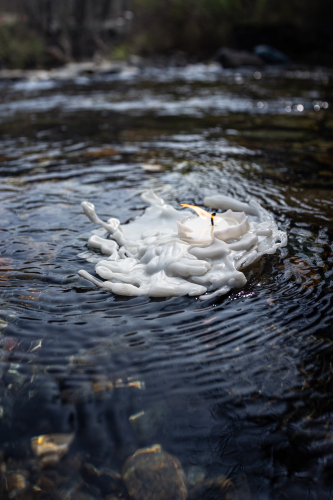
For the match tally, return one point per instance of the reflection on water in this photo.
(239, 386)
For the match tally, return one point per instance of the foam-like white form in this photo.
(168, 252)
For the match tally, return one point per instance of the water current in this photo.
(239, 386)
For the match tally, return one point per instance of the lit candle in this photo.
(204, 228)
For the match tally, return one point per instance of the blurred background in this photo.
(45, 33)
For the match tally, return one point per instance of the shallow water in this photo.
(238, 386)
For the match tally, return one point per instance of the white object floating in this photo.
(168, 252)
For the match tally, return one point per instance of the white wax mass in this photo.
(168, 252)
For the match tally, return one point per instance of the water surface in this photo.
(240, 385)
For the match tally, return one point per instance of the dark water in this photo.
(239, 386)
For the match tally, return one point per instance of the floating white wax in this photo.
(167, 252)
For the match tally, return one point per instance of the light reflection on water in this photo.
(239, 386)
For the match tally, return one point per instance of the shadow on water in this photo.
(239, 386)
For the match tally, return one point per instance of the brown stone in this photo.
(46, 484)
(231, 58)
(107, 480)
(219, 488)
(153, 474)
(50, 448)
(49, 480)
(16, 482)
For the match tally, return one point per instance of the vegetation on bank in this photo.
(49, 33)
(20, 47)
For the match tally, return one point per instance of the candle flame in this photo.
(202, 213)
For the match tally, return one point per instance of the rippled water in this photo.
(240, 385)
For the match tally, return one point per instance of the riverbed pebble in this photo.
(219, 488)
(107, 480)
(153, 474)
(51, 448)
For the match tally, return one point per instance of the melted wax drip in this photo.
(149, 257)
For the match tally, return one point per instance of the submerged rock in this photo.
(16, 484)
(50, 448)
(219, 488)
(271, 55)
(3, 324)
(153, 474)
(107, 480)
(231, 58)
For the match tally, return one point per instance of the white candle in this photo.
(150, 257)
(206, 226)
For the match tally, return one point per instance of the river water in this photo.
(239, 386)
